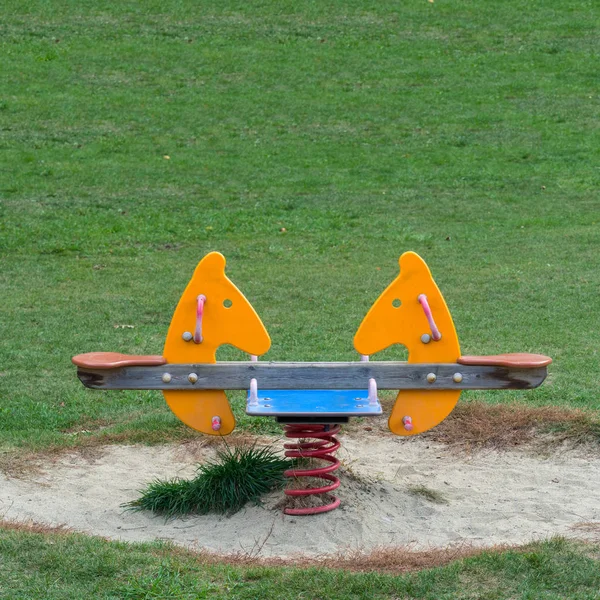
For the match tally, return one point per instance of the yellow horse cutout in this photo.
(227, 318)
(398, 317)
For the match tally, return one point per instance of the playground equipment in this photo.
(311, 399)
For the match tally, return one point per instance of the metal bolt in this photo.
(166, 377)
(457, 377)
(187, 336)
(431, 377)
(426, 338)
(360, 406)
(267, 405)
(192, 377)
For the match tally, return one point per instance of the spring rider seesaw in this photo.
(311, 399)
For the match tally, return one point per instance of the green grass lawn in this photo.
(74, 566)
(466, 131)
(312, 143)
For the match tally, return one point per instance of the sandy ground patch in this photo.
(488, 498)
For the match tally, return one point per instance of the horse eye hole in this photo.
(227, 303)
(396, 303)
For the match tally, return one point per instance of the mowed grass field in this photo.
(311, 143)
(64, 567)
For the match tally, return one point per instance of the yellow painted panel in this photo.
(228, 319)
(197, 409)
(426, 409)
(397, 317)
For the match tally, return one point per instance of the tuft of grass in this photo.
(238, 475)
(427, 493)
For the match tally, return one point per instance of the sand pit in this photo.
(482, 499)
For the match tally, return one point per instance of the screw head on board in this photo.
(431, 377)
(192, 377)
(166, 377)
(457, 377)
(187, 336)
(426, 338)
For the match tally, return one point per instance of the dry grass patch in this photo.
(589, 531)
(477, 425)
(19, 464)
(392, 560)
(33, 527)
(401, 559)
(505, 426)
(90, 446)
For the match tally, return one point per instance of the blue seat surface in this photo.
(325, 403)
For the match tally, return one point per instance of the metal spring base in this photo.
(322, 448)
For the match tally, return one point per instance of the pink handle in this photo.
(407, 422)
(435, 332)
(253, 396)
(216, 423)
(373, 399)
(199, 312)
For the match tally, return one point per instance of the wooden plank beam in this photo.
(311, 376)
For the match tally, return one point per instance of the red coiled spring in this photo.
(321, 448)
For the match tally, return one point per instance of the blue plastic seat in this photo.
(313, 403)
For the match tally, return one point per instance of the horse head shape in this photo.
(399, 317)
(226, 318)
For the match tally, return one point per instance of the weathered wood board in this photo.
(310, 376)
